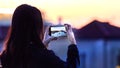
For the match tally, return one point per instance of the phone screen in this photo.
(57, 31)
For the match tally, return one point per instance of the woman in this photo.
(24, 47)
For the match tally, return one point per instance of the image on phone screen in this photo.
(57, 31)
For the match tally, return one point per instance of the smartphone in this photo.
(57, 31)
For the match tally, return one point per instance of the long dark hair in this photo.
(26, 29)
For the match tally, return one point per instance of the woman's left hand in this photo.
(46, 42)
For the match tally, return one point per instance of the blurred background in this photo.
(96, 25)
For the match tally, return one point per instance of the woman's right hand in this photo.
(70, 34)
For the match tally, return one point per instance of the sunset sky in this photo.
(76, 12)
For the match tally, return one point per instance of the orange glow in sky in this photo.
(76, 12)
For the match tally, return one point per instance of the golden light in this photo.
(6, 11)
(76, 12)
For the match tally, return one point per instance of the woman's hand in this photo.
(47, 41)
(70, 34)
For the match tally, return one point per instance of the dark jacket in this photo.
(35, 57)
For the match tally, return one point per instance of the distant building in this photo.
(98, 29)
(4, 26)
(98, 44)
